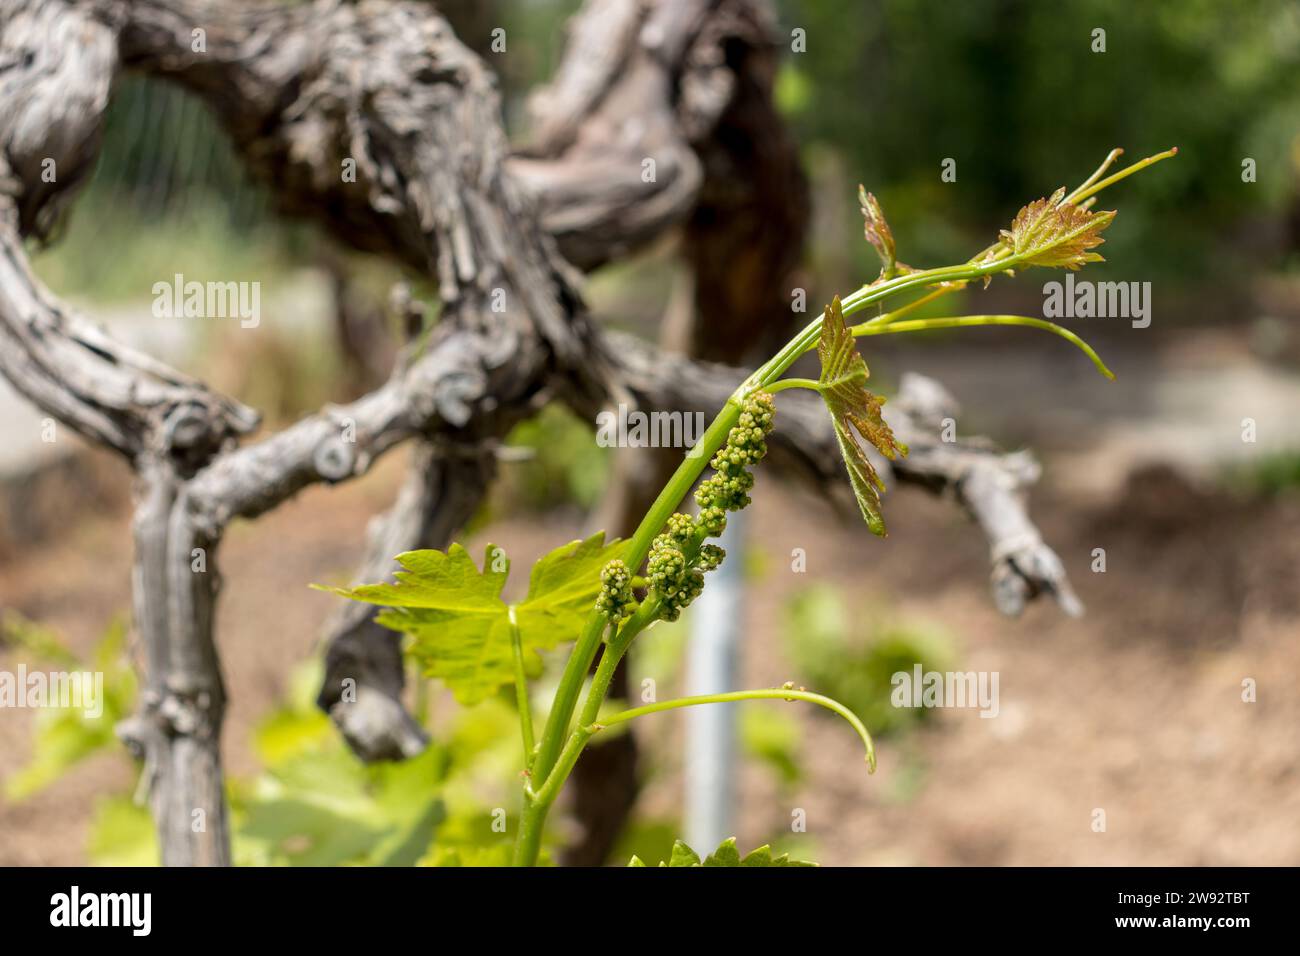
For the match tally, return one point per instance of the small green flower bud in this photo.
(615, 590)
(665, 566)
(680, 529)
(711, 555)
(713, 520)
(761, 408)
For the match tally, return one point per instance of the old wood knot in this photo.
(334, 458)
(186, 428)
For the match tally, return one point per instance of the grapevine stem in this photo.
(773, 693)
(918, 325)
(785, 383)
(1109, 161)
(521, 691)
(1081, 194)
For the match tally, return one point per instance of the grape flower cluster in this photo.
(615, 598)
(679, 556)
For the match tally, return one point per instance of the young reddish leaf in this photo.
(1051, 233)
(854, 411)
(877, 230)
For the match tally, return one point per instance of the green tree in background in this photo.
(1007, 87)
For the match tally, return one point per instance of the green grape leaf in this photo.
(725, 855)
(762, 856)
(322, 807)
(460, 625)
(469, 856)
(563, 586)
(1050, 233)
(854, 411)
(683, 855)
(432, 580)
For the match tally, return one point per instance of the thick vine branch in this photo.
(385, 86)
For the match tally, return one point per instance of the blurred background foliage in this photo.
(313, 803)
(885, 91)
(1012, 90)
(64, 736)
(851, 653)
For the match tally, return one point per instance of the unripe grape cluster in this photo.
(679, 557)
(728, 488)
(675, 581)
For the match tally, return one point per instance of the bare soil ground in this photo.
(1136, 709)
